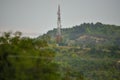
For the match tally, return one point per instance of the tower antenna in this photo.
(58, 35)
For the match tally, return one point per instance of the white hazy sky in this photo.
(35, 17)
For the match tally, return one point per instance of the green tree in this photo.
(19, 56)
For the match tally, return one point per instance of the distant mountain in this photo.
(88, 34)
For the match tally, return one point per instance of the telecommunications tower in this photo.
(58, 35)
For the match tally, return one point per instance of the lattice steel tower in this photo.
(58, 35)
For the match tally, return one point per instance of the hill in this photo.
(89, 52)
(88, 34)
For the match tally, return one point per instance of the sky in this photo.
(35, 17)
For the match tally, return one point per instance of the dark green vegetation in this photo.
(89, 63)
(89, 52)
(26, 59)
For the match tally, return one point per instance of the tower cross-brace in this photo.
(58, 35)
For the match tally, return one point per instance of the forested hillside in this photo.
(89, 34)
(87, 52)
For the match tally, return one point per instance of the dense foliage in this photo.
(26, 59)
(90, 63)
